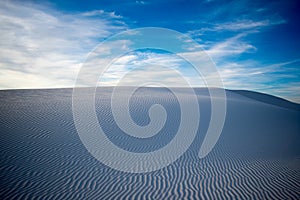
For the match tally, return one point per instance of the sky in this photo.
(255, 45)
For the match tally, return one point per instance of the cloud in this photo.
(239, 25)
(242, 25)
(280, 79)
(140, 2)
(292, 92)
(249, 75)
(143, 66)
(230, 47)
(227, 41)
(42, 47)
(252, 74)
(101, 13)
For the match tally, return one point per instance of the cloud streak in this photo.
(42, 47)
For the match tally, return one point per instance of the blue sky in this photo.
(254, 44)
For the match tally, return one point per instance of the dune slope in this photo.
(42, 157)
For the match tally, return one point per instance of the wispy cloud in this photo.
(229, 47)
(248, 75)
(42, 47)
(145, 66)
(280, 79)
(101, 13)
(140, 2)
(240, 26)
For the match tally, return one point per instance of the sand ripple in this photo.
(42, 157)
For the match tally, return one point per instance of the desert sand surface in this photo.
(42, 157)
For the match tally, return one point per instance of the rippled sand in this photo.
(42, 157)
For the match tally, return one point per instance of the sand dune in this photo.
(42, 157)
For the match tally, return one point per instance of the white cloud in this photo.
(230, 47)
(42, 47)
(140, 2)
(250, 75)
(101, 13)
(241, 25)
(143, 66)
(244, 25)
(292, 92)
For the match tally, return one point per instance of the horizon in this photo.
(128, 86)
